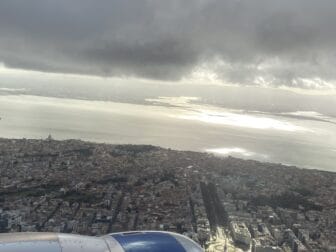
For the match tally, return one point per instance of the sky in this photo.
(268, 43)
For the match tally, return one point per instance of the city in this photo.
(227, 204)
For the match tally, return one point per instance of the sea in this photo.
(305, 139)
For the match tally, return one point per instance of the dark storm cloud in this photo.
(288, 42)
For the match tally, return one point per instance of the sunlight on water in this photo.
(236, 151)
(241, 120)
(217, 115)
(184, 101)
(11, 89)
(228, 151)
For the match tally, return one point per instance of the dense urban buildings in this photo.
(223, 203)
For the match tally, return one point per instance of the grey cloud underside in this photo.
(279, 42)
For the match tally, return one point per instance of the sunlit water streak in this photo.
(216, 115)
(239, 120)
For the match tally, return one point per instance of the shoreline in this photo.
(210, 154)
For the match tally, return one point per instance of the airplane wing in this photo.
(149, 241)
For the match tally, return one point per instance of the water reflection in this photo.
(236, 151)
(228, 151)
(217, 115)
(242, 120)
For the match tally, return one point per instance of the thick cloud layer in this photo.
(265, 42)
